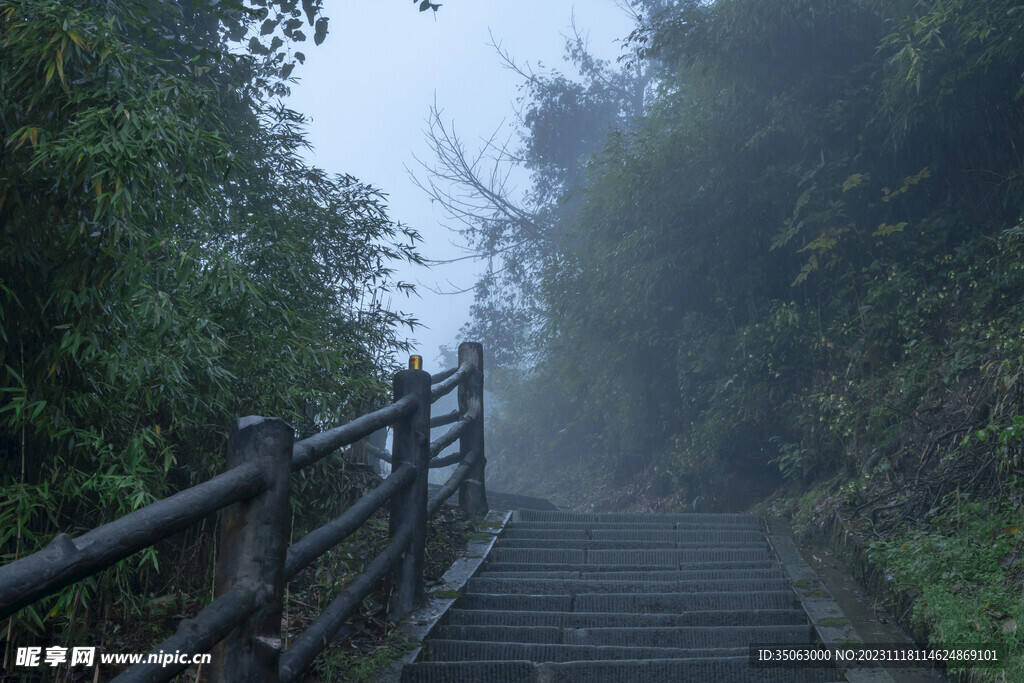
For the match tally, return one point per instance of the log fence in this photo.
(242, 625)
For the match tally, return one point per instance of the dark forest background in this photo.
(772, 257)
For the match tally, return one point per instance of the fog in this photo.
(367, 91)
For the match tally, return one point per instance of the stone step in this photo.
(490, 565)
(632, 603)
(705, 669)
(484, 584)
(621, 526)
(620, 597)
(472, 650)
(544, 531)
(668, 575)
(708, 637)
(752, 617)
(632, 526)
(739, 519)
(702, 535)
(600, 544)
(637, 557)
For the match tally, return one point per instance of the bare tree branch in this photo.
(476, 191)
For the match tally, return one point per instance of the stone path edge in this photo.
(828, 619)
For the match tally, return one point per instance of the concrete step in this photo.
(545, 532)
(632, 526)
(601, 544)
(689, 637)
(638, 557)
(701, 535)
(752, 617)
(620, 597)
(484, 584)
(491, 565)
(703, 669)
(738, 519)
(472, 651)
(632, 603)
(669, 575)
(586, 526)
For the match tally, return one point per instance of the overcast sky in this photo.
(368, 89)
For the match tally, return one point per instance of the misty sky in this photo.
(368, 88)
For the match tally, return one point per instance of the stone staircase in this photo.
(620, 597)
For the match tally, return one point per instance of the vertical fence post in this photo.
(253, 545)
(411, 445)
(472, 493)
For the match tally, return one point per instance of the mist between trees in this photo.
(751, 246)
(772, 257)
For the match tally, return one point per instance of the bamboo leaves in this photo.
(167, 260)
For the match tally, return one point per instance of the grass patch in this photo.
(966, 573)
(355, 665)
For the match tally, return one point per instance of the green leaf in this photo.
(852, 181)
(886, 229)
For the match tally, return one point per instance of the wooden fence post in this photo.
(253, 546)
(472, 492)
(411, 445)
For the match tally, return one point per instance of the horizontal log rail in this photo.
(66, 560)
(446, 419)
(443, 375)
(242, 625)
(445, 386)
(319, 541)
(445, 461)
(453, 483)
(308, 451)
(379, 453)
(452, 434)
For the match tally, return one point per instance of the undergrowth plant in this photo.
(966, 573)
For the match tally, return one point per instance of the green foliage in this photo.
(963, 575)
(803, 261)
(786, 254)
(338, 664)
(168, 262)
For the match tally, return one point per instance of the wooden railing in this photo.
(242, 625)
